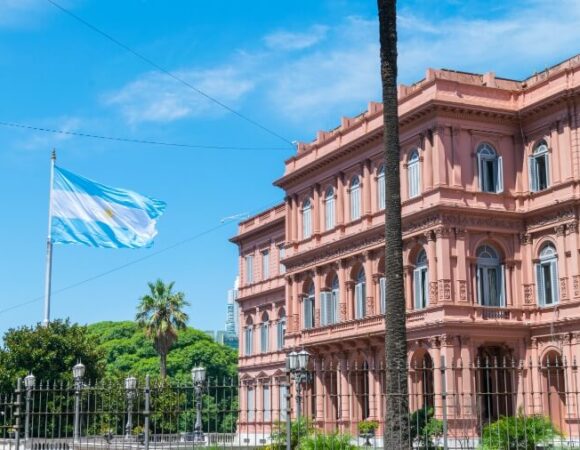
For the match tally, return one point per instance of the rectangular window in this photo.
(264, 337)
(538, 172)
(266, 402)
(383, 294)
(360, 300)
(381, 191)
(329, 213)
(308, 312)
(248, 337)
(280, 333)
(420, 287)
(307, 223)
(283, 402)
(413, 173)
(490, 286)
(547, 279)
(265, 264)
(281, 256)
(251, 404)
(355, 203)
(249, 269)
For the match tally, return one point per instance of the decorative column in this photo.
(572, 243)
(295, 305)
(316, 216)
(427, 173)
(376, 290)
(408, 285)
(320, 394)
(437, 379)
(461, 249)
(562, 266)
(374, 389)
(370, 305)
(366, 187)
(343, 300)
(456, 163)
(288, 224)
(350, 309)
(467, 394)
(340, 200)
(443, 265)
(317, 297)
(536, 382)
(344, 392)
(439, 163)
(433, 267)
(289, 303)
(294, 221)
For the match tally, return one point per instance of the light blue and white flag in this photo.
(89, 213)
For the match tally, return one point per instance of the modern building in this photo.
(490, 184)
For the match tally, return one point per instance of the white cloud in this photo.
(287, 40)
(156, 97)
(21, 12)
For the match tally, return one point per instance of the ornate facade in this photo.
(490, 184)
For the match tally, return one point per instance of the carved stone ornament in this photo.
(370, 306)
(528, 294)
(445, 290)
(433, 291)
(576, 283)
(462, 290)
(547, 219)
(564, 288)
(342, 312)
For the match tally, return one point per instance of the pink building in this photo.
(490, 180)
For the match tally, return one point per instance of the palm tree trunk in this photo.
(396, 432)
(163, 365)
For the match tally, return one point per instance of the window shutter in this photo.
(417, 289)
(334, 299)
(548, 177)
(418, 175)
(502, 286)
(499, 181)
(383, 294)
(266, 401)
(555, 284)
(480, 171)
(479, 276)
(323, 308)
(282, 402)
(532, 174)
(359, 300)
(540, 285)
(307, 313)
(425, 287)
(251, 407)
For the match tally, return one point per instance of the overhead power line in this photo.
(167, 72)
(124, 266)
(130, 140)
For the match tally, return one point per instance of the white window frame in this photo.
(280, 333)
(306, 218)
(414, 174)
(251, 403)
(265, 335)
(383, 294)
(309, 311)
(381, 188)
(248, 340)
(266, 402)
(534, 167)
(548, 262)
(489, 160)
(329, 209)
(488, 266)
(421, 281)
(249, 259)
(265, 264)
(355, 198)
(360, 295)
(281, 256)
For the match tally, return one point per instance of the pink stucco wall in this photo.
(445, 117)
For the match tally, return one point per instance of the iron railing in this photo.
(490, 403)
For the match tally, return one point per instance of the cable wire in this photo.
(123, 266)
(167, 72)
(130, 140)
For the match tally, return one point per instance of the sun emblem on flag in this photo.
(109, 212)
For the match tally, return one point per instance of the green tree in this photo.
(397, 406)
(518, 433)
(160, 313)
(49, 353)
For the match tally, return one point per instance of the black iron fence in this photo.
(488, 404)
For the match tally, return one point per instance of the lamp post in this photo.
(78, 374)
(198, 377)
(297, 365)
(130, 389)
(29, 383)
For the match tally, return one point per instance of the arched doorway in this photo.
(423, 393)
(554, 388)
(495, 380)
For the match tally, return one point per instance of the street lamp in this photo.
(198, 377)
(131, 389)
(29, 383)
(78, 374)
(297, 366)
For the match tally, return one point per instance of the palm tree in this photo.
(396, 433)
(160, 314)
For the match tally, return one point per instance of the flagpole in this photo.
(48, 275)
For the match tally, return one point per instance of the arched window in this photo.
(281, 330)
(490, 169)
(413, 174)
(547, 276)
(421, 281)
(248, 337)
(309, 307)
(306, 219)
(264, 333)
(360, 295)
(329, 304)
(355, 198)
(381, 199)
(490, 277)
(329, 208)
(539, 168)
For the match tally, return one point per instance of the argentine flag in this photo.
(89, 213)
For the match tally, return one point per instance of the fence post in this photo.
(288, 416)
(17, 413)
(146, 411)
(444, 403)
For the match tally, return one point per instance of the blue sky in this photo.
(293, 66)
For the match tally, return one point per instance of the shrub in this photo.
(300, 429)
(320, 441)
(425, 428)
(368, 426)
(518, 433)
